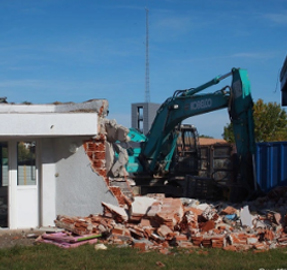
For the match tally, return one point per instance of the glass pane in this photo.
(4, 184)
(4, 163)
(26, 163)
(189, 141)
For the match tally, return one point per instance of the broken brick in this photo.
(230, 248)
(144, 222)
(165, 232)
(120, 231)
(181, 237)
(141, 245)
(274, 217)
(118, 195)
(269, 235)
(229, 210)
(165, 222)
(207, 226)
(185, 244)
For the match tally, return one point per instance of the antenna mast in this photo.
(147, 94)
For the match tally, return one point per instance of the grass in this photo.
(45, 256)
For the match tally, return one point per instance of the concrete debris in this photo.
(101, 149)
(140, 207)
(159, 223)
(100, 247)
(209, 214)
(115, 133)
(274, 217)
(119, 214)
(245, 216)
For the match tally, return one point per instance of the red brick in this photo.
(145, 222)
(185, 244)
(229, 210)
(141, 246)
(230, 248)
(120, 231)
(181, 237)
(118, 194)
(207, 226)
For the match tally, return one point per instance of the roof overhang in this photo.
(52, 120)
(48, 124)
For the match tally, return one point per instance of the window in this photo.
(26, 163)
(4, 163)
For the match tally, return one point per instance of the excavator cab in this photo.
(186, 155)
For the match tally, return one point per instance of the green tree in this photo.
(205, 136)
(270, 123)
(228, 134)
(26, 154)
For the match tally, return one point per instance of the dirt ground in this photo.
(9, 239)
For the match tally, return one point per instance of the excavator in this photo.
(168, 144)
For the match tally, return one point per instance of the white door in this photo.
(24, 210)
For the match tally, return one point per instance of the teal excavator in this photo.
(156, 154)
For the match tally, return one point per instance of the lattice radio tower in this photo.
(147, 93)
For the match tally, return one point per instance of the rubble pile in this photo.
(155, 222)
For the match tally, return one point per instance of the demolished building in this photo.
(54, 160)
(157, 223)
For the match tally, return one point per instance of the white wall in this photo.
(78, 190)
(47, 183)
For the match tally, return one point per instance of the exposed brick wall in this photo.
(96, 151)
(122, 199)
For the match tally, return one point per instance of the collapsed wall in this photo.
(158, 223)
(82, 183)
(108, 159)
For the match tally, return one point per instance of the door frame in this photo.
(23, 201)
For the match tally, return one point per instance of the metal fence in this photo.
(271, 164)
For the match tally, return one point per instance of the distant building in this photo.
(143, 115)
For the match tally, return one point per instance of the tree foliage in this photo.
(270, 123)
(205, 136)
(26, 155)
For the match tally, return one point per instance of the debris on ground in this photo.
(159, 223)
(27, 237)
(66, 240)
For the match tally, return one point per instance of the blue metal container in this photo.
(271, 165)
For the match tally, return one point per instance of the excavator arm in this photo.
(162, 135)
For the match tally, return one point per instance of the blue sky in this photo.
(68, 50)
